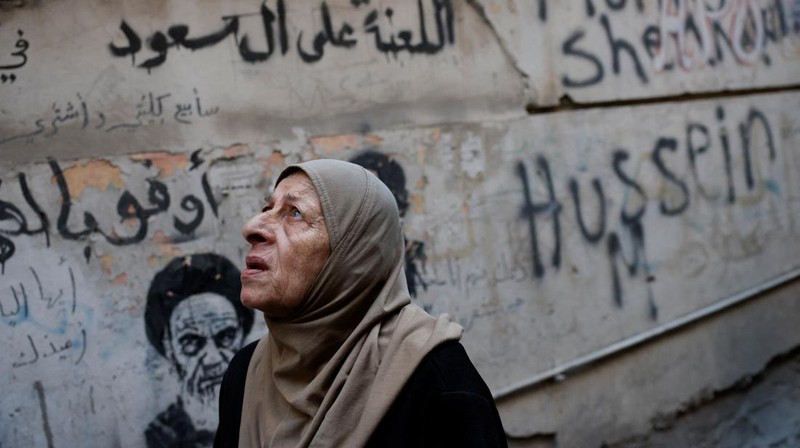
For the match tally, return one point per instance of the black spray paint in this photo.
(625, 246)
(129, 208)
(275, 34)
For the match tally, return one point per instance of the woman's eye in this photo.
(295, 213)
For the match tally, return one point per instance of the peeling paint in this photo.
(417, 203)
(236, 151)
(166, 162)
(99, 174)
(169, 250)
(335, 144)
(473, 160)
(164, 245)
(297, 145)
(107, 262)
(372, 139)
(276, 160)
(159, 237)
(436, 134)
(120, 280)
(422, 154)
(131, 223)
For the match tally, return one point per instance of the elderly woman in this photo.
(348, 360)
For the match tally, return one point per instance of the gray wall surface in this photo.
(605, 194)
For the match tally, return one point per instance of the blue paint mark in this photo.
(59, 327)
(773, 187)
(796, 15)
(648, 266)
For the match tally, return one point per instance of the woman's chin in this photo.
(251, 301)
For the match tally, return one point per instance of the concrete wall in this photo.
(571, 177)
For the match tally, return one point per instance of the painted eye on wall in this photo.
(191, 344)
(225, 338)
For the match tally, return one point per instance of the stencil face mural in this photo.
(195, 320)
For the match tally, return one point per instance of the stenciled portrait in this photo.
(195, 320)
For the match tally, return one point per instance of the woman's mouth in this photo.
(254, 265)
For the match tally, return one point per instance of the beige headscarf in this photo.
(326, 376)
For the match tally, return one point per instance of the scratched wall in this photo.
(137, 137)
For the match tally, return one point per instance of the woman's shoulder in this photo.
(444, 403)
(231, 396)
(449, 366)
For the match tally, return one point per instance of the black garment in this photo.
(445, 403)
(173, 428)
(231, 397)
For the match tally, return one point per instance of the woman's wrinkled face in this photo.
(289, 245)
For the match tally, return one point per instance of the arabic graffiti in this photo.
(128, 207)
(21, 46)
(12, 213)
(625, 244)
(132, 214)
(508, 266)
(274, 32)
(53, 323)
(152, 109)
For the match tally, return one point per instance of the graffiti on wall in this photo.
(16, 59)
(687, 35)
(43, 306)
(501, 239)
(260, 35)
(151, 109)
(9, 212)
(53, 320)
(195, 320)
(701, 29)
(625, 246)
(133, 213)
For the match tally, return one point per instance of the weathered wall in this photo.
(137, 137)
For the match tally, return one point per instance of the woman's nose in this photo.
(258, 229)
